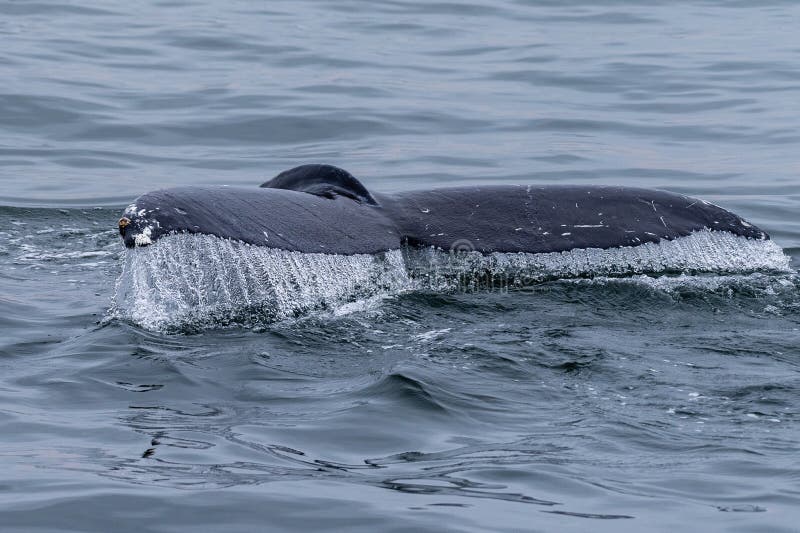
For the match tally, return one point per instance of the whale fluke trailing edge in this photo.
(324, 209)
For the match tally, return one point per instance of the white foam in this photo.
(205, 280)
(701, 252)
(754, 283)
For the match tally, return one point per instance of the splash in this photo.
(701, 252)
(195, 281)
(187, 282)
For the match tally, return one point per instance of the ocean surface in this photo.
(641, 403)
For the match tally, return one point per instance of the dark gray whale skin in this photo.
(323, 209)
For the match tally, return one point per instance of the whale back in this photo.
(326, 181)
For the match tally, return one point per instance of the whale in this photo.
(320, 208)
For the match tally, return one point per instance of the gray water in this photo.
(640, 403)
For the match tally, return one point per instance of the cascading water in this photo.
(700, 252)
(197, 280)
(193, 281)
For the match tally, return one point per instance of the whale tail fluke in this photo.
(321, 180)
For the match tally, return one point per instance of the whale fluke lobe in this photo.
(321, 180)
(553, 218)
(270, 217)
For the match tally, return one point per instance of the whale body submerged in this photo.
(323, 209)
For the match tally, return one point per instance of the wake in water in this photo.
(194, 281)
